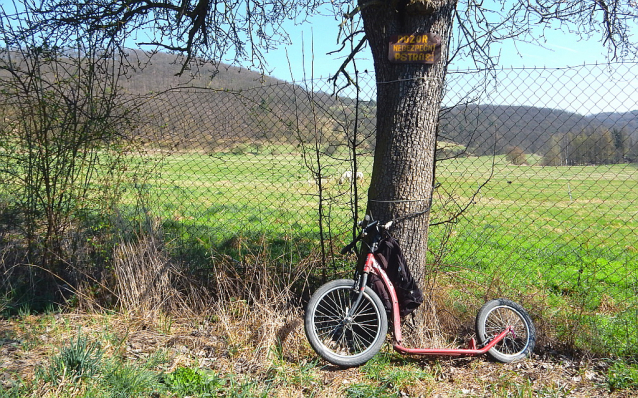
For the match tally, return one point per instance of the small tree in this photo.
(621, 143)
(552, 156)
(516, 155)
(62, 128)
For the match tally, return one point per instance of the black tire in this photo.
(493, 318)
(340, 341)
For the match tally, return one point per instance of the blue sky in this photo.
(307, 56)
(320, 34)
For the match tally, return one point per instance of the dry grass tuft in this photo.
(432, 320)
(258, 305)
(149, 284)
(144, 277)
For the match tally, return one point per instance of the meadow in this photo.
(588, 207)
(559, 240)
(563, 240)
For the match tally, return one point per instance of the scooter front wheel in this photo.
(340, 334)
(493, 318)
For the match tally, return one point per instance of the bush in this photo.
(131, 381)
(186, 381)
(515, 155)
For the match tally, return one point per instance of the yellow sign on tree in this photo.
(415, 48)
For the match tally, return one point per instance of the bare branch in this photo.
(220, 30)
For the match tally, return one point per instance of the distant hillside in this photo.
(218, 110)
(624, 120)
(159, 72)
(487, 129)
(269, 108)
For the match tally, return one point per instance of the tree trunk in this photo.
(408, 102)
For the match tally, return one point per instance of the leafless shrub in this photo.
(516, 155)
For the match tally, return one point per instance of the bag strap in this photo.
(382, 260)
(389, 241)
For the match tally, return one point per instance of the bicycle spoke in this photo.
(498, 320)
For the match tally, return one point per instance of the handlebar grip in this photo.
(373, 224)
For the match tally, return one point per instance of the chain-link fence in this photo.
(550, 188)
(535, 190)
(536, 179)
(273, 161)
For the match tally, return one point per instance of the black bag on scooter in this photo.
(391, 259)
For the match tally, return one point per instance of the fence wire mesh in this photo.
(536, 178)
(535, 192)
(549, 186)
(265, 159)
(274, 160)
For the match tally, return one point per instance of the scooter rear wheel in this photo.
(493, 318)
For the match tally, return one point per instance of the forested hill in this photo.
(221, 109)
(485, 129)
(625, 120)
(159, 72)
(482, 129)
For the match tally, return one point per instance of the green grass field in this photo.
(553, 237)
(590, 207)
(561, 237)
(228, 195)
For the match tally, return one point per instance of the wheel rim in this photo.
(346, 336)
(517, 340)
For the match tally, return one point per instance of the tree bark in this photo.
(408, 102)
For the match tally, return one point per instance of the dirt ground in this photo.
(28, 342)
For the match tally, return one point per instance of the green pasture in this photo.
(551, 218)
(223, 196)
(588, 208)
(516, 218)
(563, 236)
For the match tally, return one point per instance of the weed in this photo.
(13, 388)
(395, 377)
(301, 376)
(507, 388)
(365, 390)
(79, 360)
(5, 302)
(157, 358)
(622, 376)
(131, 381)
(558, 391)
(243, 389)
(24, 311)
(12, 392)
(51, 309)
(186, 381)
(164, 323)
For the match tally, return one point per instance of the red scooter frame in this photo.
(372, 266)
